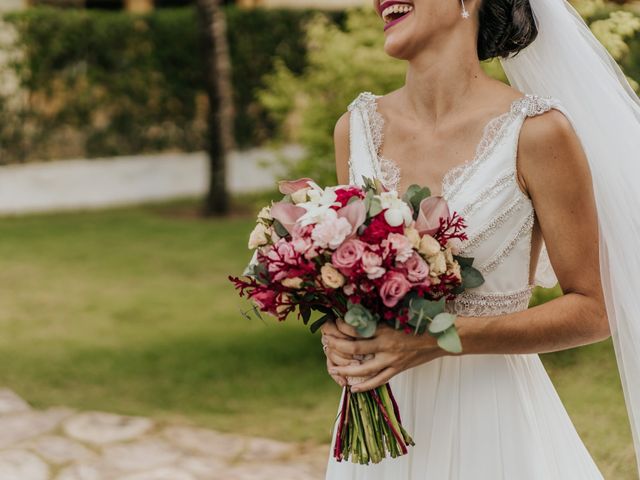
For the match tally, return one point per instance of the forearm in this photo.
(566, 322)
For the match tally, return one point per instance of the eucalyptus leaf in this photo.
(421, 327)
(376, 207)
(361, 319)
(416, 317)
(449, 340)
(471, 277)
(368, 330)
(279, 228)
(428, 308)
(464, 261)
(261, 273)
(411, 191)
(367, 201)
(417, 198)
(369, 183)
(442, 322)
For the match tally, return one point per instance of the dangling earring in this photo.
(465, 12)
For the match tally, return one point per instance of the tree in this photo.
(220, 94)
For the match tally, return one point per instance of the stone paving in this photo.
(62, 444)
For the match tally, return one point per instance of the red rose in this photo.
(343, 195)
(379, 229)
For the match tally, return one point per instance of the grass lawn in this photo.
(130, 311)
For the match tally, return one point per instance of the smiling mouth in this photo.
(393, 11)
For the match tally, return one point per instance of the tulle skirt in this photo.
(480, 417)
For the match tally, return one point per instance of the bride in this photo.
(546, 185)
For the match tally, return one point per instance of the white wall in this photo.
(90, 184)
(8, 5)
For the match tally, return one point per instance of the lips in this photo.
(393, 11)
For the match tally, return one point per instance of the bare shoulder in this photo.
(550, 127)
(549, 149)
(342, 150)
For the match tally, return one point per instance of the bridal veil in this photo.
(568, 63)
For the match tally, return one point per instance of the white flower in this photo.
(437, 264)
(429, 246)
(299, 196)
(331, 231)
(295, 282)
(397, 211)
(455, 244)
(318, 206)
(413, 236)
(265, 214)
(331, 277)
(258, 236)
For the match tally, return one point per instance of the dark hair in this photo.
(506, 27)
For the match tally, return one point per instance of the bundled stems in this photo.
(369, 427)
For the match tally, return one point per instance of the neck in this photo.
(442, 78)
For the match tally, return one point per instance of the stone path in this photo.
(62, 444)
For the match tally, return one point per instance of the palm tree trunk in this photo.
(220, 93)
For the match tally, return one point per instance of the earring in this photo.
(465, 12)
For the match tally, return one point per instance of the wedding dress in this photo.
(477, 417)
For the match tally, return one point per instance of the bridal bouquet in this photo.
(367, 256)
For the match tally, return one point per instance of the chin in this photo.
(399, 48)
(411, 24)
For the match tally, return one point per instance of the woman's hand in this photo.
(393, 351)
(335, 358)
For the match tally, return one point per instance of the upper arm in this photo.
(341, 142)
(554, 168)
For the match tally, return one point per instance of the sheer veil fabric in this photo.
(567, 62)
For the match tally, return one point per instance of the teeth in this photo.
(397, 8)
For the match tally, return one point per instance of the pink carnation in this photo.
(371, 264)
(331, 231)
(394, 288)
(401, 245)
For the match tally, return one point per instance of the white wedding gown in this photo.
(477, 417)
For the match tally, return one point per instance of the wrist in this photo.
(472, 332)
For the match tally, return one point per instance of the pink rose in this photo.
(401, 245)
(348, 254)
(371, 264)
(394, 288)
(417, 268)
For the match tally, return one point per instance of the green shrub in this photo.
(100, 83)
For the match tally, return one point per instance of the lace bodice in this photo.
(484, 190)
